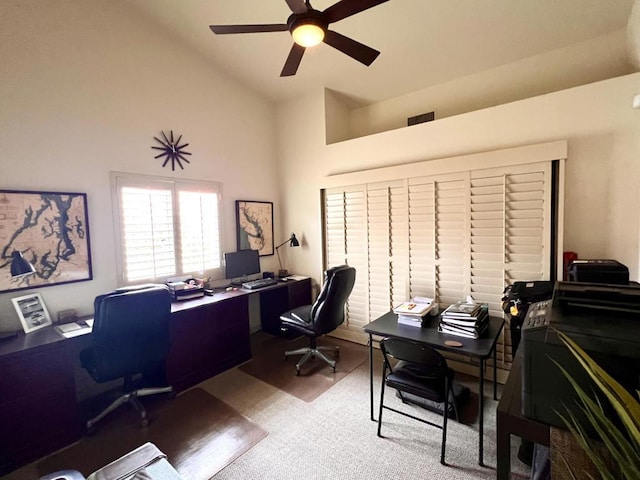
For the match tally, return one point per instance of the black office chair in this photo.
(421, 371)
(130, 338)
(324, 316)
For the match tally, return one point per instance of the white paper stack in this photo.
(414, 311)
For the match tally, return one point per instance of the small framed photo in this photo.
(32, 312)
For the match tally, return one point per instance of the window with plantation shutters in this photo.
(445, 236)
(166, 228)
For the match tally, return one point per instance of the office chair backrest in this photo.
(131, 329)
(327, 312)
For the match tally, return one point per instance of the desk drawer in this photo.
(33, 370)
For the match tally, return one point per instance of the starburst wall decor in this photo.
(172, 150)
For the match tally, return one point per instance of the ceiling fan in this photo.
(309, 27)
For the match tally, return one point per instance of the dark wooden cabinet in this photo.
(275, 302)
(37, 401)
(39, 413)
(208, 339)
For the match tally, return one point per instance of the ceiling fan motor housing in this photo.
(310, 17)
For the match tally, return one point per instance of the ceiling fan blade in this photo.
(273, 27)
(348, 46)
(297, 6)
(293, 61)
(346, 8)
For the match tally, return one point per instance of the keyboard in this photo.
(260, 283)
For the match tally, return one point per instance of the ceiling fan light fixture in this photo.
(307, 34)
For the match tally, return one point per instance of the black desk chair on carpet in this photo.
(324, 316)
(422, 372)
(130, 338)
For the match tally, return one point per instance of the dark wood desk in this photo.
(482, 349)
(38, 391)
(509, 420)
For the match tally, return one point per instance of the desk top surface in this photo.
(388, 326)
(50, 335)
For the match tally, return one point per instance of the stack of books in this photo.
(414, 312)
(464, 319)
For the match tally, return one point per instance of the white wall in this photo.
(602, 171)
(590, 61)
(85, 87)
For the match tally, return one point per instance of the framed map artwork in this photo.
(254, 221)
(51, 230)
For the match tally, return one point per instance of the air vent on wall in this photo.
(422, 118)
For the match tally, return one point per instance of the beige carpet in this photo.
(268, 364)
(199, 433)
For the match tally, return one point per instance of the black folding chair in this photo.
(421, 371)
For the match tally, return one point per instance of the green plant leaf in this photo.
(625, 405)
(624, 451)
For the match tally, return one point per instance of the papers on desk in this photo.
(74, 329)
(294, 277)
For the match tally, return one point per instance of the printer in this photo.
(603, 319)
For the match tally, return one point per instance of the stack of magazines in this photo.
(464, 319)
(414, 312)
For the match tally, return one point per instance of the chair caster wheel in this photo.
(171, 395)
(91, 431)
(144, 423)
(297, 372)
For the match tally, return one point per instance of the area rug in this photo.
(467, 408)
(268, 364)
(199, 433)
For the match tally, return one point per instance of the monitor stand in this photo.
(238, 283)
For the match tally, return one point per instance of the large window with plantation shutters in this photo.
(166, 228)
(444, 236)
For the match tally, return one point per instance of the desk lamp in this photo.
(20, 266)
(293, 242)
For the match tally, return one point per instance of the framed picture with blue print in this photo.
(50, 230)
(254, 223)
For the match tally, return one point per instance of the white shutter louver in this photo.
(387, 246)
(199, 227)
(451, 240)
(379, 250)
(487, 241)
(147, 230)
(345, 234)
(399, 231)
(422, 254)
(526, 238)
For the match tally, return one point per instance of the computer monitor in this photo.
(241, 263)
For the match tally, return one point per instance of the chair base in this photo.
(313, 352)
(132, 399)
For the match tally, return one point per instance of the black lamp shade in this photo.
(20, 266)
(293, 241)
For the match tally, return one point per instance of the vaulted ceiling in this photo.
(422, 42)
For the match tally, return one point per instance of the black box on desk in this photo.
(183, 291)
(598, 271)
(604, 320)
